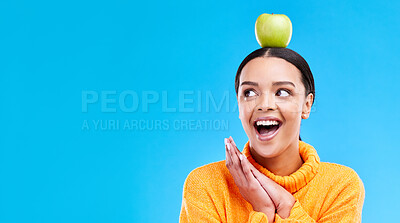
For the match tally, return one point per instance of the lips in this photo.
(267, 128)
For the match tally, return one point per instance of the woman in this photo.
(277, 177)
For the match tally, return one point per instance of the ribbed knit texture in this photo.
(298, 179)
(324, 192)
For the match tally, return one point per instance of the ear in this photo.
(305, 113)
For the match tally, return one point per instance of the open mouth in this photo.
(267, 129)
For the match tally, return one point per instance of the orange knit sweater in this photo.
(324, 192)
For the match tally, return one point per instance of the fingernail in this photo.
(241, 156)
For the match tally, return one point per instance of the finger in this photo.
(253, 168)
(230, 164)
(236, 166)
(234, 155)
(252, 181)
(269, 185)
(233, 143)
(227, 155)
(250, 166)
(263, 180)
(233, 147)
(246, 169)
(261, 177)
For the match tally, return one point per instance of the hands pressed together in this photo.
(264, 194)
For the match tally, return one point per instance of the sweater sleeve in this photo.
(257, 217)
(197, 203)
(297, 214)
(347, 206)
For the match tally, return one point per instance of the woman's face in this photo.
(272, 102)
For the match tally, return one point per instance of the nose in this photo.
(266, 102)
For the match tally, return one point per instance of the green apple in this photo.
(273, 30)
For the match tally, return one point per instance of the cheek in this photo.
(245, 110)
(291, 112)
(293, 120)
(290, 108)
(242, 113)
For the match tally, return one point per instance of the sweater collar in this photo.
(300, 177)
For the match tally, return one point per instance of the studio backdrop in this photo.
(107, 106)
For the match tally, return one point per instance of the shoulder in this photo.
(212, 176)
(206, 173)
(338, 170)
(340, 176)
(209, 183)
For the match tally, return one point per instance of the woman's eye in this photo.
(249, 93)
(283, 92)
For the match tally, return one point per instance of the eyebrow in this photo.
(273, 84)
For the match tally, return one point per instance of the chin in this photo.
(265, 149)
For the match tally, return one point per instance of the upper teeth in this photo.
(268, 122)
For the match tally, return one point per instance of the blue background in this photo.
(51, 52)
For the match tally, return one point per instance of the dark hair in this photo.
(288, 55)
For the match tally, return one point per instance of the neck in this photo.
(285, 163)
